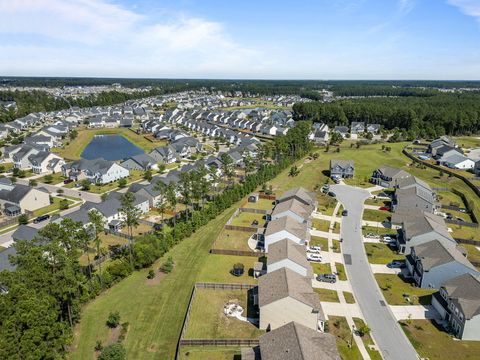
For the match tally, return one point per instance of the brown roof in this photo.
(434, 253)
(283, 283)
(288, 224)
(426, 223)
(287, 249)
(464, 291)
(297, 342)
(295, 206)
(300, 194)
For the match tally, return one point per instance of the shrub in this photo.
(167, 266)
(23, 219)
(98, 346)
(122, 182)
(151, 274)
(113, 352)
(113, 319)
(63, 204)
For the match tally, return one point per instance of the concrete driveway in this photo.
(388, 335)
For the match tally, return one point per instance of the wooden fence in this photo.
(253, 211)
(119, 234)
(468, 241)
(267, 197)
(462, 223)
(236, 252)
(242, 228)
(224, 286)
(220, 342)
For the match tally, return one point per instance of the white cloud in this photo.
(406, 6)
(468, 7)
(101, 38)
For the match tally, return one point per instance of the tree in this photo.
(161, 204)
(167, 266)
(293, 171)
(115, 351)
(63, 205)
(23, 219)
(122, 183)
(161, 168)
(73, 134)
(171, 196)
(227, 166)
(96, 226)
(336, 138)
(113, 319)
(130, 215)
(147, 175)
(48, 179)
(32, 183)
(85, 185)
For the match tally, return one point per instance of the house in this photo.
(17, 198)
(413, 199)
(476, 168)
(293, 208)
(45, 161)
(456, 160)
(5, 263)
(373, 128)
(458, 303)
(438, 143)
(423, 227)
(343, 169)
(431, 264)
(287, 254)
(140, 162)
(293, 341)
(164, 154)
(388, 176)
(97, 171)
(299, 193)
(25, 232)
(286, 228)
(342, 130)
(20, 157)
(357, 127)
(285, 296)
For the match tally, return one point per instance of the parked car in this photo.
(396, 264)
(67, 181)
(330, 278)
(345, 213)
(462, 210)
(41, 218)
(387, 239)
(460, 219)
(314, 249)
(371, 236)
(314, 257)
(255, 222)
(332, 194)
(384, 208)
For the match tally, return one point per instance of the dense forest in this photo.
(452, 114)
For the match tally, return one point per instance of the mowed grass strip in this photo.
(327, 295)
(209, 352)
(378, 253)
(400, 291)
(208, 321)
(155, 312)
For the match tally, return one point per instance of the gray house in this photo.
(342, 169)
(139, 162)
(388, 176)
(431, 264)
(458, 303)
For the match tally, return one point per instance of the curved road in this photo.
(390, 338)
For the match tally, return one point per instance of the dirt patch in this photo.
(113, 335)
(159, 275)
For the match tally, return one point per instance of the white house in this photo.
(286, 228)
(287, 254)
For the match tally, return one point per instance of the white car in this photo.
(314, 257)
(314, 249)
(387, 239)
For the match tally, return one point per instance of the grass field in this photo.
(246, 219)
(233, 240)
(397, 291)
(376, 215)
(326, 204)
(56, 178)
(349, 297)
(467, 141)
(327, 295)
(74, 149)
(217, 269)
(367, 340)
(336, 246)
(381, 253)
(321, 268)
(319, 241)
(342, 275)
(262, 204)
(321, 225)
(207, 320)
(464, 232)
(338, 326)
(155, 312)
(54, 207)
(209, 352)
(433, 343)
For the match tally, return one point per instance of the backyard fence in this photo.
(243, 228)
(453, 207)
(468, 241)
(119, 234)
(146, 222)
(267, 197)
(462, 223)
(235, 252)
(253, 211)
(220, 342)
(224, 286)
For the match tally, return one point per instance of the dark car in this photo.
(345, 213)
(332, 194)
(67, 181)
(41, 218)
(330, 278)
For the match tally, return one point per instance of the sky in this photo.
(247, 39)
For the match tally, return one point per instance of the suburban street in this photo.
(389, 337)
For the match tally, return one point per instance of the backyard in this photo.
(209, 352)
(233, 240)
(217, 268)
(399, 291)
(247, 219)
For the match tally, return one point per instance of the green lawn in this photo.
(319, 241)
(398, 291)
(464, 232)
(56, 178)
(135, 175)
(321, 225)
(378, 202)
(262, 204)
(378, 230)
(233, 240)
(207, 320)
(377, 215)
(342, 275)
(321, 268)
(327, 295)
(326, 204)
(246, 219)
(433, 343)
(336, 246)
(209, 353)
(367, 340)
(381, 253)
(473, 252)
(52, 207)
(155, 312)
(338, 326)
(349, 297)
(217, 269)
(467, 141)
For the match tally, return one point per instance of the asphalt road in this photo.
(390, 338)
(87, 196)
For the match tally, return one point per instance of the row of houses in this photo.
(289, 309)
(433, 257)
(447, 153)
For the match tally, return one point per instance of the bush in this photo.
(63, 204)
(122, 182)
(151, 274)
(113, 352)
(167, 266)
(23, 219)
(48, 179)
(113, 319)
(98, 346)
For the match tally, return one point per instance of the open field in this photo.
(217, 269)
(247, 219)
(233, 240)
(207, 320)
(327, 295)
(155, 312)
(74, 149)
(397, 291)
(433, 343)
(381, 253)
(338, 326)
(209, 352)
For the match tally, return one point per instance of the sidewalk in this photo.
(325, 234)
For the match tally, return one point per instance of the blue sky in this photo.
(256, 39)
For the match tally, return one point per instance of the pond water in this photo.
(110, 147)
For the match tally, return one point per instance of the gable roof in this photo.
(300, 193)
(434, 253)
(295, 206)
(288, 224)
(464, 291)
(287, 249)
(426, 223)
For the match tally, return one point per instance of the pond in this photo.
(110, 147)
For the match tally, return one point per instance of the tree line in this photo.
(425, 117)
(42, 297)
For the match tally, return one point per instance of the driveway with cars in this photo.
(389, 337)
